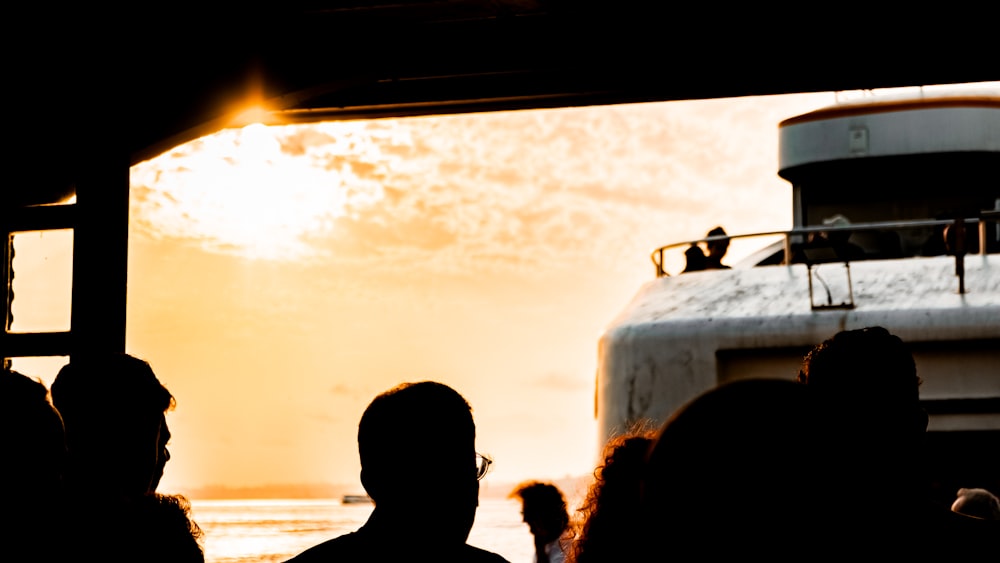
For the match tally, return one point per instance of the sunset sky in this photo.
(281, 277)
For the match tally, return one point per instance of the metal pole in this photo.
(100, 245)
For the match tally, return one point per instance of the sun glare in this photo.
(252, 116)
(242, 191)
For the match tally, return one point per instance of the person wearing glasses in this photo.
(419, 465)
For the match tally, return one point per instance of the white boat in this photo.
(900, 169)
(356, 499)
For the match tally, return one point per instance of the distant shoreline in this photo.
(572, 487)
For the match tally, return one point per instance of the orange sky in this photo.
(281, 277)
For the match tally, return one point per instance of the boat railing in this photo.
(794, 237)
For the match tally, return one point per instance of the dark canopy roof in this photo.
(93, 88)
(136, 81)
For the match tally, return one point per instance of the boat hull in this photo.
(683, 335)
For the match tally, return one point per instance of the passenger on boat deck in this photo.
(866, 383)
(33, 447)
(830, 246)
(419, 465)
(716, 250)
(935, 244)
(960, 239)
(607, 512)
(945, 239)
(543, 508)
(695, 259)
(978, 503)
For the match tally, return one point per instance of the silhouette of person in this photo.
(158, 528)
(936, 242)
(31, 435)
(888, 244)
(977, 503)
(731, 474)
(873, 372)
(829, 246)
(959, 239)
(543, 508)
(866, 382)
(607, 512)
(716, 250)
(113, 408)
(695, 259)
(33, 447)
(954, 238)
(419, 465)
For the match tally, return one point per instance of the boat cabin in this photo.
(892, 160)
(913, 185)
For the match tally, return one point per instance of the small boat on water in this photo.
(894, 175)
(356, 499)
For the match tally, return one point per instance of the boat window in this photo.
(42, 271)
(42, 367)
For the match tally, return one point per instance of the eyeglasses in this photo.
(483, 463)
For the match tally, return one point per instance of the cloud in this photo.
(344, 390)
(510, 192)
(240, 192)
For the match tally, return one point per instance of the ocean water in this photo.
(268, 531)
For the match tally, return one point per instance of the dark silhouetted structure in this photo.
(608, 511)
(543, 508)
(419, 465)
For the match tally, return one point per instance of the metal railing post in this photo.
(982, 236)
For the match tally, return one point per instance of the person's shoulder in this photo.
(940, 533)
(969, 529)
(347, 547)
(475, 554)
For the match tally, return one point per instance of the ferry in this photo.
(901, 177)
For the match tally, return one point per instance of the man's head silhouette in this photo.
(418, 461)
(113, 407)
(870, 374)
